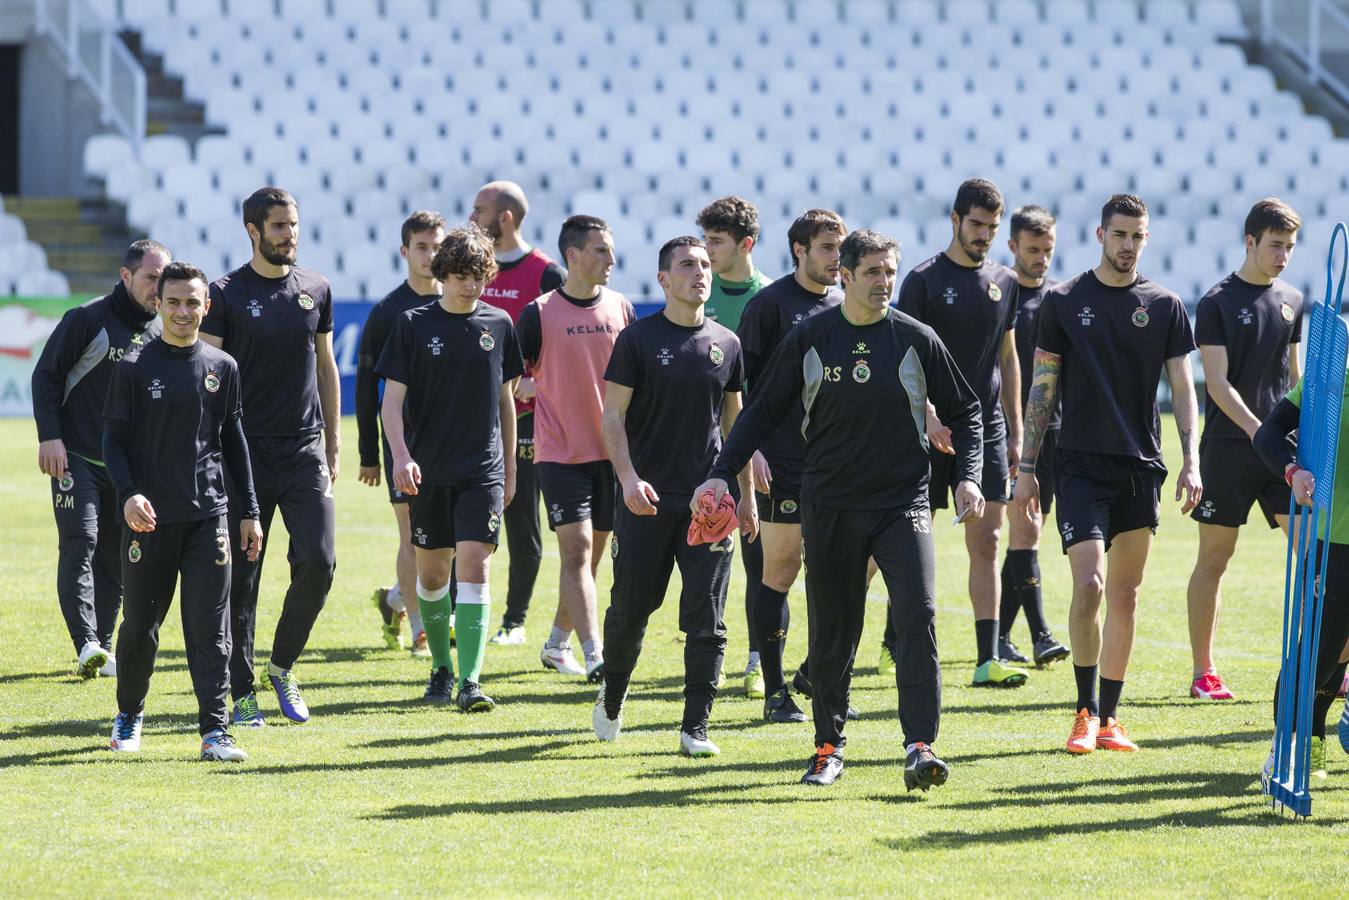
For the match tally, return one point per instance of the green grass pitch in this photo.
(380, 795)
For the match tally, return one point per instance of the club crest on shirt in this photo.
(306, 301)
(133, 553)
(1245, 315)
(1086, 315)
(665, 356)
(949, 295)
(156, 389)
(486, 341)
(1287, 312)
(212, 382)
(714, 353)
(861, 372)
(994, 293)
(1140, 317)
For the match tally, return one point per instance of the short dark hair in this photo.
(667, 250)
(731, 215)
(1035, 219)
(576, 231)
(809, 225)
(1129, 205)
(864, 242)
(178, 271)
(421, 220)
(261, 202)
(978, 192)
(466, 250)
(139, 250)
(1271, 214)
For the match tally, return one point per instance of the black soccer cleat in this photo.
(824, 767)
(1048, 650)
(472, 699)
(779, 707)
(1008, 651)
(923, 770)
(801, 684)
(440, 689)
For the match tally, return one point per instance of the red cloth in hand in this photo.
(713, 522)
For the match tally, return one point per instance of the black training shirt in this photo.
(454, 365)
(1027, 309)
(374, 335)
(268, 325)
(861, 393)
(971, 309)
(766, 321)
(1114, 342)
(1256, 323)
(173, 423)
(679, 377)
(70, 380)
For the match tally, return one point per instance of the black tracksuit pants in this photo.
(524, 534)
(838, 542)
(645, 550)
(290, 473)
(200, 552)
(1334, 633)
(88, 570)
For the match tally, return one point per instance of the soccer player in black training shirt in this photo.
(1248, 328)
(970, 301)
(452, 366)
(1107, 335)
(859, 378)
(814, 240)
(276, 319)
(70, 384)
(421, 236)
(672, 388)
(1032, 245)
(172, 428)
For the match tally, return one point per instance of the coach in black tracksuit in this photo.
(278, 326)
(172, 427)
(672, 379)
(862, 376)
(70, 383)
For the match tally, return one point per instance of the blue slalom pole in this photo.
(1309, 531)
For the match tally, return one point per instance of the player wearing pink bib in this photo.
(566, 337)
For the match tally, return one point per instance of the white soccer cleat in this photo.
(109, 668)
(92, 658)
(218, 746)
(126, 733)
(595, 668)
(509, 637)
(606, 729)
(561, 659)
(697, 747)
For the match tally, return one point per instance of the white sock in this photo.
(753, 660)
(395, 599)
(274, 669)
(473, 595)
(592, 648)
(415, 620)
(558, 637)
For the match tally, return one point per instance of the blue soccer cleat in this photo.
(288, 696)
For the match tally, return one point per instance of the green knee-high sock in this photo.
(435, 607)
(471, 625)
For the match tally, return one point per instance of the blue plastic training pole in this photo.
(1318, 442)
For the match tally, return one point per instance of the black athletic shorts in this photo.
(444, 514)
(993, 483)
(781, 505)
(1101, 495)
(574, 492)
(395, 495)
(1234, 478)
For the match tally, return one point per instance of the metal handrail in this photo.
(117, 79)
(1309, 58)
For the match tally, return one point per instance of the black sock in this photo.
(986, 636)
(1026, 583)
(1325, 697)
(1010, 604)
(615, 686)
(771, 619)
(804, 668)
(1110, 691)
(1086, 689)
